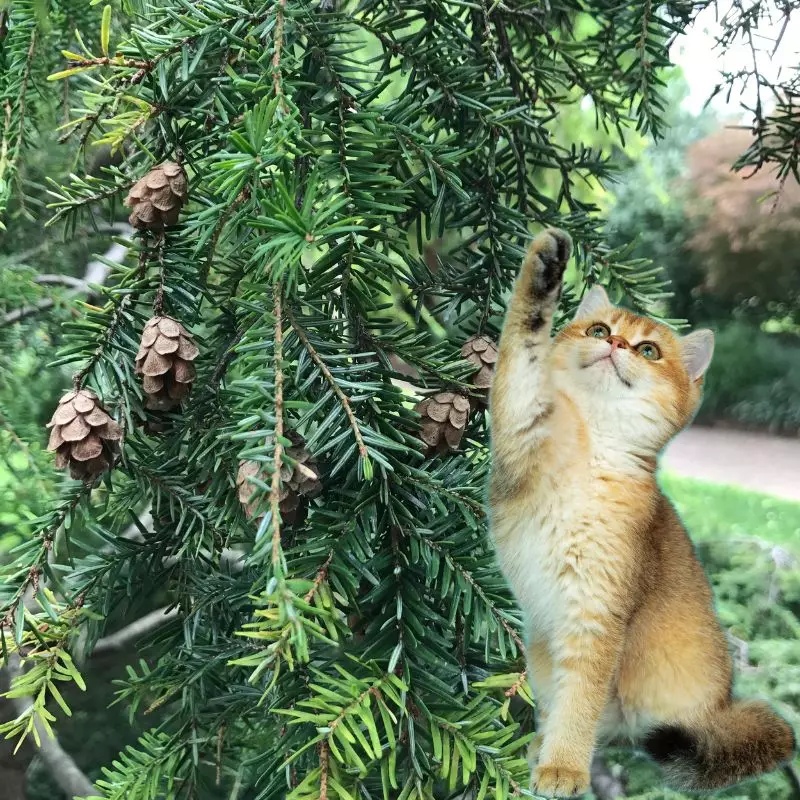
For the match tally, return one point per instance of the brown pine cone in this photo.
(157, 198)
(83, 436)
(165, 360)
(482, 352)
(444, 417)
(298, 483)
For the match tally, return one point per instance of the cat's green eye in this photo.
(598, 331)
(649, 350)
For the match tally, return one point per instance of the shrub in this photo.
(754, 381)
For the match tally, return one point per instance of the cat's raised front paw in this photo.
(550, 780)
(553, 248)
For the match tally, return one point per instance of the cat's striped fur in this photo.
(622, 637)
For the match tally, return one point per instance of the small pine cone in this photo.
(157, 198)
(298, 483)
(482, 352)
(165, 360)
(444, 418)
(83, 436)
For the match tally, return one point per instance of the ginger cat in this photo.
(622, 637)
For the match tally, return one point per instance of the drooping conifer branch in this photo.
(337, 390)
(277, 453)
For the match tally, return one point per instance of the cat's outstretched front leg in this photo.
(583, 665)
(522, 391)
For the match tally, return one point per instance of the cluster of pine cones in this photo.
(86, 438)
(444, 415)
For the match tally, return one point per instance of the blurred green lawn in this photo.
(712, 511)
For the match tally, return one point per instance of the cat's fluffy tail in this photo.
(742, 740)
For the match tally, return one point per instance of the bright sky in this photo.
(702, 62)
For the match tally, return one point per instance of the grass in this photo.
(711, 511)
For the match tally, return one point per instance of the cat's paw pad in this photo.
(553, 248)
(550, 780)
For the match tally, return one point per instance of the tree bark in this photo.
(96, 273)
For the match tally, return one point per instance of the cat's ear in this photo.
(697, 348)
(593, 301)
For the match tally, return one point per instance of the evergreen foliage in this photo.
(773, 110)
(370, 648)
(650, 204)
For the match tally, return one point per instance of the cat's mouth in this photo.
(608, 357)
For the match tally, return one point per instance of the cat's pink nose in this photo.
(617, 342)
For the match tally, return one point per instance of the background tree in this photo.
(650, 206)
(726, 240)
(338, 625)
(746, 231)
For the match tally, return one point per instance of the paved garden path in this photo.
(755, 461)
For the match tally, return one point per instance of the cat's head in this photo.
(630, 373)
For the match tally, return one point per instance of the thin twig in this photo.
(158, 302)
(220, 743)
(517, 685)
(23, 90)
(119, 314)
(139, 76)
(224, 217)
(348, 709)
(19, 314)
(62, 280)
(143, 67)
(475, 505)
(96, 273)
(65, 208)
(787, 13)
(225, 360)
(476, 587)
(276, 58)
(322, 573)
(107, 61)
(323, 770)
(4, 162)
(275, 489)
(342, 397)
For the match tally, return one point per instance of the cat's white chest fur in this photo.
(560, 556)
